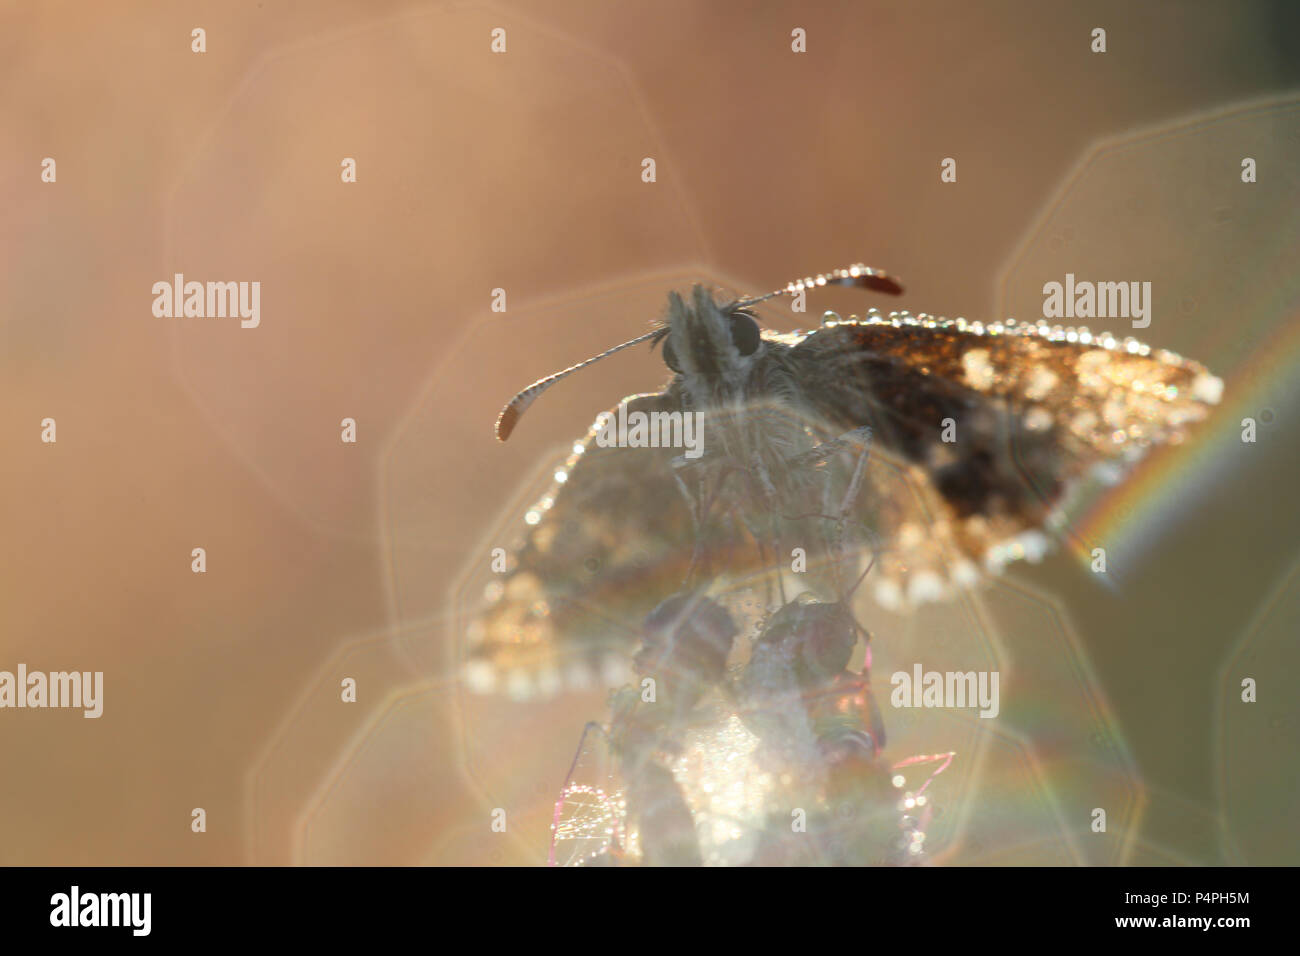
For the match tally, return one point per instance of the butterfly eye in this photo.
(670, 357)
(744, 333)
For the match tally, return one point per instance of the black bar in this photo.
(329, 906)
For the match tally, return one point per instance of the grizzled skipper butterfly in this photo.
(977, 435)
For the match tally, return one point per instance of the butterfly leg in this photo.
(694, 504)
(700, 504)
(758, 470)
(858, 440)
(858, 437)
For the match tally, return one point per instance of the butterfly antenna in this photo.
(516, 407)
(858, 276)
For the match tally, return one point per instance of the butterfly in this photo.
(950, 446)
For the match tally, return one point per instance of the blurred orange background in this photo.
(522, 171)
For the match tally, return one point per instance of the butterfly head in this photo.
(707, 341)
(712, 346)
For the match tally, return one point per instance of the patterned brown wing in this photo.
(606, 544)
(1030, 411)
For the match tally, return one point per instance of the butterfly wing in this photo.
(1027, 412)
(609, 541)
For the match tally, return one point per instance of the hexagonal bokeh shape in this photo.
(1054, 705)
(381, 798)
(405, 268)
(1167, 204)
(297, 762)
(1257, 742)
